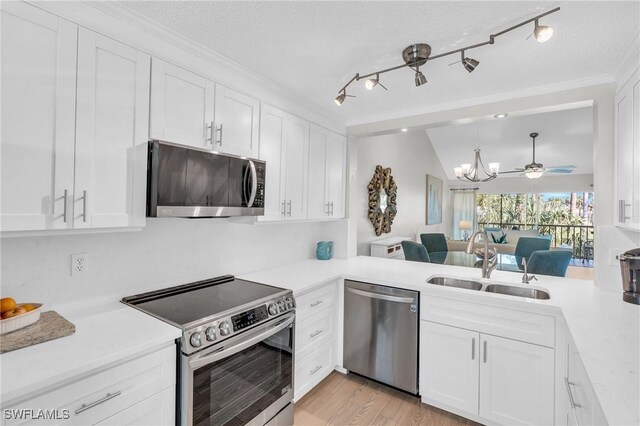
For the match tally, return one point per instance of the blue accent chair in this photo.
(549, 262)
(415, 252)
(436, 245)
(527, 245)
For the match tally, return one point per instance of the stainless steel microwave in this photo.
(189, 182)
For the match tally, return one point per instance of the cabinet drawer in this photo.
(517, 325)
(312, 369)
(315, 301)
(313, 329)
(100, 396)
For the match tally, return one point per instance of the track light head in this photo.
(340, 98)
(371, 83)
(420, 78)
(470, 64)
(542, 33)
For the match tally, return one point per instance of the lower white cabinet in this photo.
(315, 350)
(491, 378)
(138, 391)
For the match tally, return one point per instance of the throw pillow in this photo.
(500, 239)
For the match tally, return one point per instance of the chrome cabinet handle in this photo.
(65, 208)
(485, 351)
(331, 208)
(219, 132)
(316, 303)
(210, 130)
(328, 212)
(85, 407)
(571, 400)
(622, 209)
(473, 348)
(289, 212)
(284, 209)
(315, 370)
(315, 333)
(84, 206)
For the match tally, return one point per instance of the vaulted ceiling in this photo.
(314, 47)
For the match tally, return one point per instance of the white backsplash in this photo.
(166, 252)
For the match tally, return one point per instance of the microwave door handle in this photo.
(265, 331)
(245, 175)
(254, 184)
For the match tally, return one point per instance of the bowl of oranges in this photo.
(14, 316)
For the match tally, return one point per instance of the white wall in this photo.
(166, 252)
(504, 185)
(411, 157)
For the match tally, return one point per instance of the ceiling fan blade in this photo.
(559, 170)
(516, 170)
(560, 167)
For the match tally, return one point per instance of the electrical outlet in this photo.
(79, 264)
(614, 256)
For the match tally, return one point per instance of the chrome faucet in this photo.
(487, 265)
(526, 278)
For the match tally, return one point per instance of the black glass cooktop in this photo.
(187, 303)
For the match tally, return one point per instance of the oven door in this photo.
(247, 379)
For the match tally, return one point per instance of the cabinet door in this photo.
(271, 146)
(635, 177)
(449, 366)
(181, 106)
(336, 174)
(318, 202)
(157, 410)
(237, 124)
(111, 136)
(516, 382)
(38, 118)
(296, 161)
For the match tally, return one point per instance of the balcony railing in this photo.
(578, 237)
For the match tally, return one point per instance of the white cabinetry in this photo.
(139, 391)
(315, 337)
(483, 376)
(181, 106)
(237, 123)
(284, 145)
(627, 154)
(327, 171)
(82, 163)
(390, 248)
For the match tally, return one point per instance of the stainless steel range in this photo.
(236, 351)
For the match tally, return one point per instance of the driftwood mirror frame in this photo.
(382, 187)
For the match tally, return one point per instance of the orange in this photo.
(28, 306)
(14, 313)
(7, 304)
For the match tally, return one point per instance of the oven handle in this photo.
(261, 333)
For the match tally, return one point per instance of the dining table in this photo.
(506, 262)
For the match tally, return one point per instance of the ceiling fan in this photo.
(535, 170)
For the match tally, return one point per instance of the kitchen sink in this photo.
(531, 293)
(455, 282)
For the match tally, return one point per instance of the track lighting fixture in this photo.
(542, 33)
(373, 82)
(418, 54)
(420, 78)
(469, 64)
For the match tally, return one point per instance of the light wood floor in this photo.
(352, 400)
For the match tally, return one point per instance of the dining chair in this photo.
(549, 262)
(434, 242)
(527, 245)
(415, 251)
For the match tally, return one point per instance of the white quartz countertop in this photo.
(605, 329)
(105, 335)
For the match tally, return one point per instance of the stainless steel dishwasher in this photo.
(381, 333)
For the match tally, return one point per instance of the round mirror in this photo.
(382, 200)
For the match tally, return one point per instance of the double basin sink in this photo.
(509, 290)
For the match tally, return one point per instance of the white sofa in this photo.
(513, 236)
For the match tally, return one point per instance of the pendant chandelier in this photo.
(417, 55)
(471, 172)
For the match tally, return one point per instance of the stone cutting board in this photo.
(51, 325)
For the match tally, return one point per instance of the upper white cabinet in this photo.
(75, 113)
(189, 109)
(627, 154)
(38, 118)
(327, 171)
(284, 145)
(237, 123)
(111, 133)
(182, 105)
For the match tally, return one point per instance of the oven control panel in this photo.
(215, 331)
